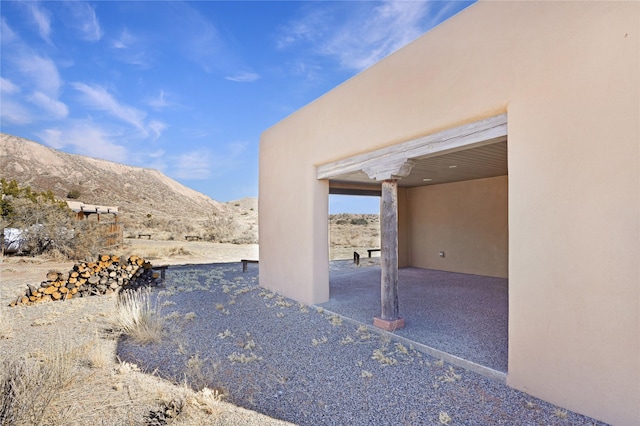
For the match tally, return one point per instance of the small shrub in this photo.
(444, 418)
(31, 388)
(560, 413)
(220, 228)
(359, 221)
(74, 194)
(382, 358)
(138, 317)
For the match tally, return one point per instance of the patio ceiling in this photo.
(474, 163)
(472, 151)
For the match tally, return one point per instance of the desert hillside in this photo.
(148, 201)
(151, 203)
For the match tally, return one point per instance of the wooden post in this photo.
(389, 318)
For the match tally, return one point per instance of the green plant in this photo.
(74, 194)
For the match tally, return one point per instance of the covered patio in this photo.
(559, 222)
(462, 318)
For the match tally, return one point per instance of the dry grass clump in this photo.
(178, 251)
(139, 317)
(32, 387)
(6, 330)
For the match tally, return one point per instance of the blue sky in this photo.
(187, 87)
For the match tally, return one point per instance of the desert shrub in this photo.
(31, 388)
(74, 194)
(138, 317)
(359, 221)
(88, 241)
(45, 225)
(219, 228)
(178, 251)
(245, 238)
(51, 230)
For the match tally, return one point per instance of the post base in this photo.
(388, 325)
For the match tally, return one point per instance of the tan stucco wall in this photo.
(467, 220)
(404, 229)
(567, 74)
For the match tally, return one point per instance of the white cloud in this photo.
(158, 154)
(6, 33)
(7, 86)
(198, 38)
(98, 98)
(203, 163)
(193, 165)
(363, 33)
(310, 28)
(42, 72)
(125, 40)
(53, 138)
(42, 19)
(85, 20)
(132, 50)
(157, 127)
(244, 77)
(387, 28)
(159, 102)
(14, 113)
(85, 138)
(56, 108)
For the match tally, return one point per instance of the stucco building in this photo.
(536, 105)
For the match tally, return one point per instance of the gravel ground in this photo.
(306, 366)
(460, 314)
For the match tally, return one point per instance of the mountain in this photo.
(146, 198)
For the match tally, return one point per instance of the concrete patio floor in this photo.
(461, 317)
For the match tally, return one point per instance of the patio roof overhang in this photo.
(472, 151)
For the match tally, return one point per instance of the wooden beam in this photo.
(390, 170)
(389, 318)
(470, 135)
(356, 191)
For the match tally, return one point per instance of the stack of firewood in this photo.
(106, 275)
